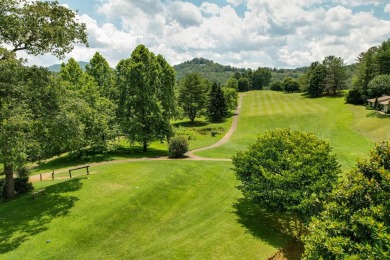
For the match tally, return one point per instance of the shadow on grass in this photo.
(270, 228)
(324, 95)
(189, 124)
(93, 157)
(261, 224)
(25, 217)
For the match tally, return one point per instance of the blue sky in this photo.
(241, 33)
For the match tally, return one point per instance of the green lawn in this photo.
(198, 135)
(154, 210)
(351, 130)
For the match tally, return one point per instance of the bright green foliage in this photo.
(290, 85)
(231, 96)
(378, 86)
(178, 146)
(276, 85)
(192, 95)
(243, 84)
(261, 78)
(232, 83)
(90, 114)
(288, 172)
(335, 74)
(217, 108)
(100, 70)
(356, 220)
(40, 27)
(145, 83)
(72, 73)
(317, 75)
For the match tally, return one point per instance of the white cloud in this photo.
(387, 8)
(280, 33)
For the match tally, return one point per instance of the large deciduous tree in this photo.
(36, 27)
(40, 27)
(145, 83)
(104, 76)
(356, 221)
(288, 172)
(378, 86)
(335, 74)
(261, 78)
(192, 95)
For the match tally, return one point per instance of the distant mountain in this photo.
(57, 67)
(207, 68)
(221, 73)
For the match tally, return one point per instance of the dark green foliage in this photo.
(261, 78)
(243, 85)
(208, 69)
(356, 221)
(217, 108)
(290, 85)
(192, 95)
(378, 86)
(276, 85)
(178, 146)
(22, 186)
(355, 97)
(287, 172)
(317, 75)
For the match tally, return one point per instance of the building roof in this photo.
(380, 99)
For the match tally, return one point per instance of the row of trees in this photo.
(372, 74)
(293, 173)
(197, 97)
(250, 80)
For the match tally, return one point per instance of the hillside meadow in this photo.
(177, 208)
(154, 210)
(351, 130)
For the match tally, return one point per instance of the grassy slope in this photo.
(153, 210)
(198, 134)
(350, 131)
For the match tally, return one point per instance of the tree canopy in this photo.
(40, 27)
(356, 220)
(145, 83)
(287, 171)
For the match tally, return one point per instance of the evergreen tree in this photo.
(217, 108)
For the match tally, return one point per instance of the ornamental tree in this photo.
(287, 172)
(356, 221)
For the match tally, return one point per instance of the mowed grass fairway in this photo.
(151, 210)
(351, 130)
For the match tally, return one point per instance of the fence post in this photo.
(87, 170)
(52, 175)
(70, 174)
(40, 176)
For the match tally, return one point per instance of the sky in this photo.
(240, 33)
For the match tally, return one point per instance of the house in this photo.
(383, 103)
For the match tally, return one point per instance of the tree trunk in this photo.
(145, 147)
(9, 180)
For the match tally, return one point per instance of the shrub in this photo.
(22, 186)
(178, 146)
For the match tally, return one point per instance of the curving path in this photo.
(190, 154)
